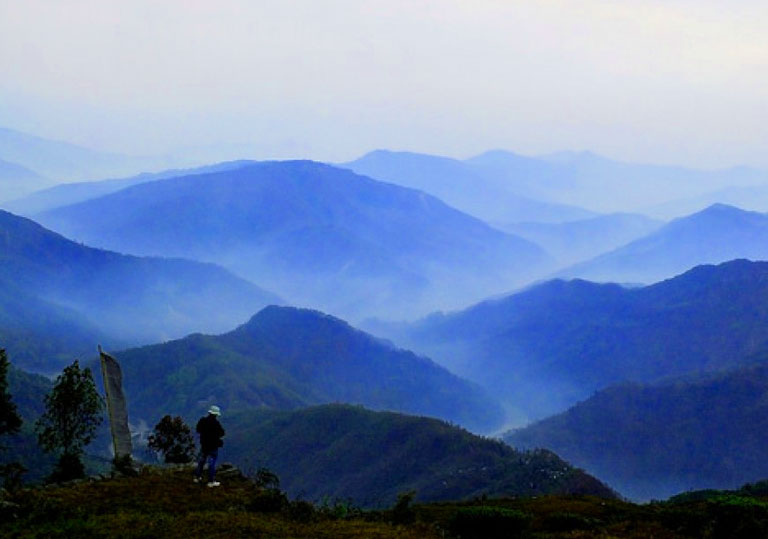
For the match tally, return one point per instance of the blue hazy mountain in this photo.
(71, 193)
(746, 197)
(48, 281)
(576, 241)
(318, 235)
(285, 358)
(462, 186)
(16, 180)
(716, 234)
(64, 161)
(545, 348)
(604, 185)
(655, 441)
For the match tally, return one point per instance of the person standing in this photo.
(211, 433)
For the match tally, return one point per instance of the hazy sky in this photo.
(665, 81)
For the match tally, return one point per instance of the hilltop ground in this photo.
(164, 502)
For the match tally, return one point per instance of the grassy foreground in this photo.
(164, 502)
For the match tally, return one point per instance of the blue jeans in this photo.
(211, 457)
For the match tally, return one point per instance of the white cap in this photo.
(215, 410)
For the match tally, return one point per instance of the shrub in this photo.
(173, 439)
(486, 522)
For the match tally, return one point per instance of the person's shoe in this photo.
(213, 484)
(197, 479)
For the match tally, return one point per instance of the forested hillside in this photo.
(545, 348)
(654, 441)
(285, 358)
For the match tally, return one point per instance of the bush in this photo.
(486, 522)
(563, 522)
(173, 439)
(268, 501)
(402, 512)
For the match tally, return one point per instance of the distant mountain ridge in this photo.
(462, 186)
(545, 348)
(53, 288)
(604, 185)
(653, 441)
(714, 235)
(16, 180)
(69, 162)
(285, 358)
(72, 193)
(576, 241)
(318, 235)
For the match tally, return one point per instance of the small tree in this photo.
(173, 438)
(73, 410)
(10, 422)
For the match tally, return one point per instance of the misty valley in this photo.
(503, 327)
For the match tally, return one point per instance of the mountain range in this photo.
(317, 235)
(543, 349)
(63, 161)
(463, 186)
(716, 234)
(16, 180)
(652, 441)
(58, 297)
(286, 358)
(604, 185)
(65, 194)
(576, 241)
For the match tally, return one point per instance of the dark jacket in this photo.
(211, 433)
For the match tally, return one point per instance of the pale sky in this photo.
(667, 81)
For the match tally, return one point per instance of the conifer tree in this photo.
(73, 410)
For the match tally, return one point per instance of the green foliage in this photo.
(488, 522)
(344, 451)
(173, 438)
(72, 413)
(286, 358)
(10, 422)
